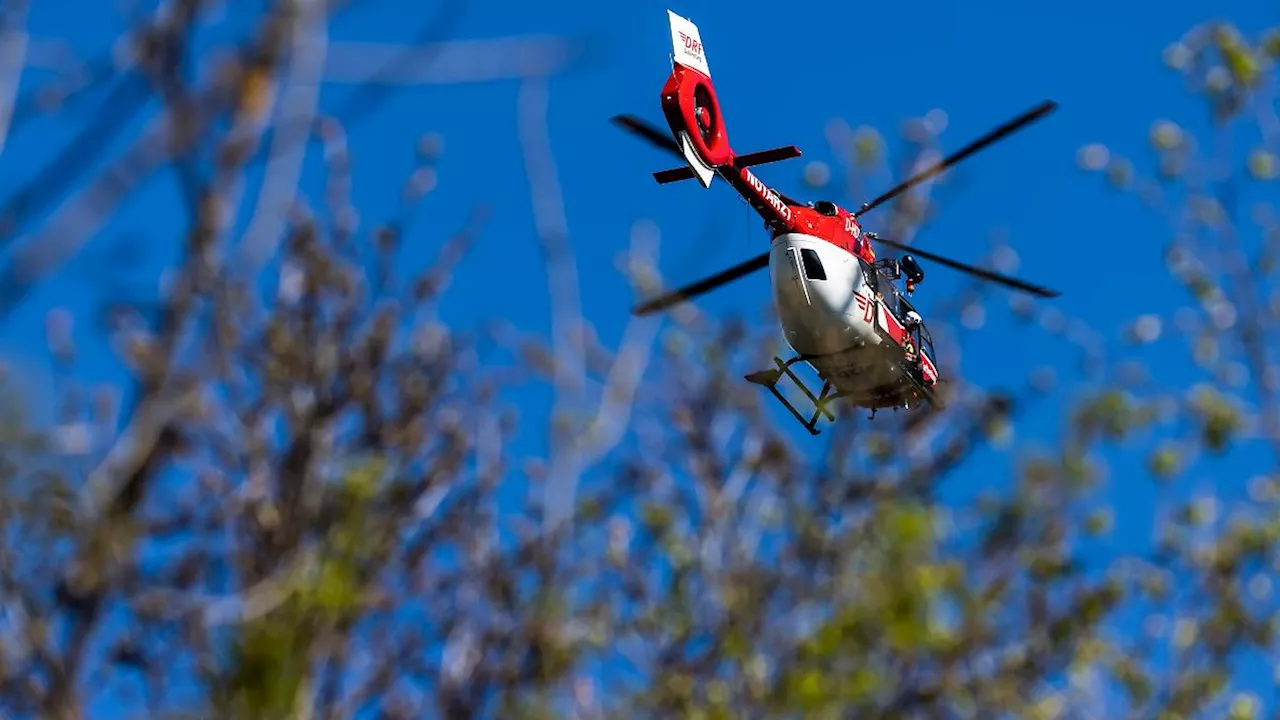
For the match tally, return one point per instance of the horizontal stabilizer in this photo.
(756, 158)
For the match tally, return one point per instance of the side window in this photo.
(812, 264)
(869, 276)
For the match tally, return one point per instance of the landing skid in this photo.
(769, 379)
(821, 401)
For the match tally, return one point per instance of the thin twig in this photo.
(297, 109)
(459, 61)
(13, 53)
(566, 314)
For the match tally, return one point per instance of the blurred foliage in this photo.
(305, 502)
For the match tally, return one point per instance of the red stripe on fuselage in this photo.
(842, 230)
(930, 372)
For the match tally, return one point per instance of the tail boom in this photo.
(692, 111)
(763, 199)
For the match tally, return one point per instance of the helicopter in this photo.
(838, 306)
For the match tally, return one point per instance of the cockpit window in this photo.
(826, 207)
(812, 265)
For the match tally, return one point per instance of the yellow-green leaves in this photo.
(1048, 707)
(1244, 706)
(1165, 461)
(810, 689)
(270, 661)
(1263, 164)
(1240, 59)
(1120, 173)
(1112, 412)
(269, 666)
(1167, 135)
(910, 524)
(656, 517)
(1219, 418)
(868, 146)
(1100, 522)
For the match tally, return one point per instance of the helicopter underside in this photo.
(831, 316)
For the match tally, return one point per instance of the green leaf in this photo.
(1263, 164)
(656, 517)
(1244, 706)
(1166, 461)
(1270, 46)
(863, 684)
(1099, 522)
(910, 523)
(1238, 57)
(809, 689)
(268, 668)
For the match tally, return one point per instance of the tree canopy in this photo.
(308, 507)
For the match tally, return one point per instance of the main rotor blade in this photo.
(976, 271)
(648, 132)
(689, 291)
(1000, 132)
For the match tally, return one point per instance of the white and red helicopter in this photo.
(837, 304)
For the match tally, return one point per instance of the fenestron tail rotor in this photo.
(999, 133)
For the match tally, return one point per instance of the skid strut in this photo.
(770, 378)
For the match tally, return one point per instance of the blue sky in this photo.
(868, 63)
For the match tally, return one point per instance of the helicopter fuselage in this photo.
(837, 304)
(843, 319)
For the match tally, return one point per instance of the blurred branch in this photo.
(63, 92)
(322, 506)
(76, 219)
(126, 100)
(566, 314)
(447, 63)
(136, 445)
(605, 428)
(287, 153)
(14, 43)
(54, 55)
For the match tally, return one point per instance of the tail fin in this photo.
(686, 44)
(690, 103)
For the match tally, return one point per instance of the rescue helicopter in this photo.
(839, 309)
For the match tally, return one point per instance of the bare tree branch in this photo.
(297, 109)
(458, 61)
(566, 313)
(14, 44)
